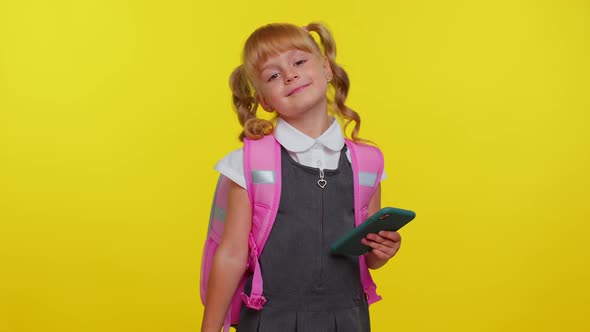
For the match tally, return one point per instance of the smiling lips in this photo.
(296, 90)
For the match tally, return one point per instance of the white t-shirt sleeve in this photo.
(232, 166)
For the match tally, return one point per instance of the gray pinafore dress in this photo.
(306, 288)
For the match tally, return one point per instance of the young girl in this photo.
(285, 71)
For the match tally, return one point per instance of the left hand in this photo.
(384, 246)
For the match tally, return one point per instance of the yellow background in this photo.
(113, 113)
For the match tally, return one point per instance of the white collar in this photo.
(296, 141)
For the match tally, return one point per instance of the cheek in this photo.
(272, 94)
(269, 97)
(322, 84)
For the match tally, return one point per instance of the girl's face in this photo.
(293, 83)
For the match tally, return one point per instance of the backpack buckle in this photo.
(371, 294)
(255, 302)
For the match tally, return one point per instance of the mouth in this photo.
(297, 89)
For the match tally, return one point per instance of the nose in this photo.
(291, 76)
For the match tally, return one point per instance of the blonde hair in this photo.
(271, 40)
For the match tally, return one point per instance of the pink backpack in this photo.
(262, 167)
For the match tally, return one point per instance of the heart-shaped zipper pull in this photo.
(322, 182)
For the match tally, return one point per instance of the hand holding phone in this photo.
(388, 219)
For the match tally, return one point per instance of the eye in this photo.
(300, 62)
(272, 77)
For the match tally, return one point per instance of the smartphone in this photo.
(388, 219)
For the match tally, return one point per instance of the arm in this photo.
(229, 262)
(383, 245)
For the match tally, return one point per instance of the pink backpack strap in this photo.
(215, 231)
(262, 169)
(367, 168)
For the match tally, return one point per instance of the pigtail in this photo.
(339, 81)
(246, 105)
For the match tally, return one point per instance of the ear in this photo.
(327, 69)
(264, 103)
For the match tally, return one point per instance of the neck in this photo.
(312, 126)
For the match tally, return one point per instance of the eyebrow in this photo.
(267, 66)
(291, 52)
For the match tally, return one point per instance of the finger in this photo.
(393, 236)
(383, 240)
(378, 242)
(374, 245)
(384, 236)
(380, 255)
(387, 247)
(374, 237)
(383, 254)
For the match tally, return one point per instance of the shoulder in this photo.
(232, 166)
(367, 154)
(364, 150)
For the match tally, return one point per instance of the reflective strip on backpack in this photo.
(367, 179)
(214, 205)
(263, 177)
(219, 213)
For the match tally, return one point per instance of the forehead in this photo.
(261, 49)
(275, 55)
(276, 59)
